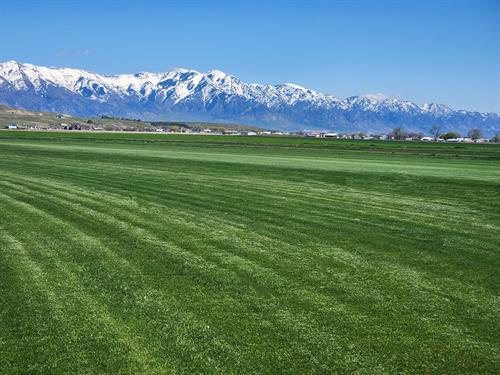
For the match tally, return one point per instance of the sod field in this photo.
(157, 254)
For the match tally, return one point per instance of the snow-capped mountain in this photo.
(184, 94)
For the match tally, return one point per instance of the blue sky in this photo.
(425, 51)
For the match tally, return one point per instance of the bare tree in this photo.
(475, 134)
(435, 130)
(398, 134)
(415, 135)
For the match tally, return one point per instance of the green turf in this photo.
(146, 254)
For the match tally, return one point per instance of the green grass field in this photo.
(150, 254)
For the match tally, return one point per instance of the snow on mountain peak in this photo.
(295, 86)
(213, 95)
(437, 109)
(377, 97)
(216, 74)
(178, 84)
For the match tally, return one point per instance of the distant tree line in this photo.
(399, 134)
(106, 117)
(435, 131)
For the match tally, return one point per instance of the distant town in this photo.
(398, 134)
(20, 119)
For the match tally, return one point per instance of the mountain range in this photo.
(188, 95)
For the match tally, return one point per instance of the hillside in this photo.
(50, 120)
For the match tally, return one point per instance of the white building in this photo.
(331, 135)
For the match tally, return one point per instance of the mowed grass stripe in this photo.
(106, 221)
(351, 314)
(195, 264)
(355, 201)
(336, 208)
(187, 270)
(66, 197)
(190, 265)
(225, 229)
(53, 279)
(449, 168)
(148, 170)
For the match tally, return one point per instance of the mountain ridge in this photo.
(185, 94)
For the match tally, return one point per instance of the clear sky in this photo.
(425, 51)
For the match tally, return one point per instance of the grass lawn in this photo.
(154, 254)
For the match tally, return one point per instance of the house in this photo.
(331, 135)
(313, 135)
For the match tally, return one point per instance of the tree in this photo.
(398, 134)
(450, 135)
(475, 134)
(496, 138)
(415, 135)
(435, 130)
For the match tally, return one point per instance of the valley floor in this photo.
(153, 255)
